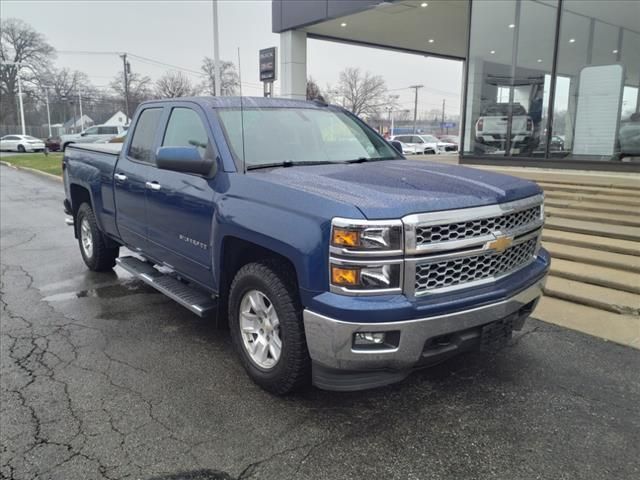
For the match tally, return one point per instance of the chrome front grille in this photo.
(462, 248)
(463, 270)
(476, 228)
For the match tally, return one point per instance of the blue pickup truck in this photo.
(335, 260)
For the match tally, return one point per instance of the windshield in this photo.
(300, 136)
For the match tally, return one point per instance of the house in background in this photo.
(75, 125)
(118, 119)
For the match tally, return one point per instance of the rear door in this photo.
(130, 177)
(180, 206)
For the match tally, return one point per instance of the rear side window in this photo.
(141, 147)
(108, 130)
(185, 129)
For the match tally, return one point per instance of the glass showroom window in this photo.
(509, 77)
(595, 110)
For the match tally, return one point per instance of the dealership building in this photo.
(550, 83)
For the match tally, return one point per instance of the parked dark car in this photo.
(52, 144)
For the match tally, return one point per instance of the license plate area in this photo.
(495, 335)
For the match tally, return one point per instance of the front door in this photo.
(130, 177)
(180, 206)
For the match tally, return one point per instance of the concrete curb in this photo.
(32, 170)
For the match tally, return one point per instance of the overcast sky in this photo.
(180, 33)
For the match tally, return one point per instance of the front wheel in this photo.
(93, 245)
(21, 149)
(265, 319)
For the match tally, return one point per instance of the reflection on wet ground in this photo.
(111, 290)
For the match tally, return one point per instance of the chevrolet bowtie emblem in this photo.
(500, 244)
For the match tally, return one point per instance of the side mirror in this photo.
(183, 159)
(83, 134)
(396, 145)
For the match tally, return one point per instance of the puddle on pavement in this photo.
(112, 290)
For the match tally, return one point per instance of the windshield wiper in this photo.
(365, 159)
(287, 163)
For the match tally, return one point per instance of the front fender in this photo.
(297, 237)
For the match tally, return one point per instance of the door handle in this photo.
(120, 177)
(153, 185)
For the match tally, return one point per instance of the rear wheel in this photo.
(265, 319)
(93, 245)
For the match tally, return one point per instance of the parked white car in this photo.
(95, 134)
(21, 143)
(426, 144)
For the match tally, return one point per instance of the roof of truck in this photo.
(247, 102)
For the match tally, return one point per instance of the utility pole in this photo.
(46, 93)
(415, 106)
(216, 51)
(442, 122)
(81, 116)
(126, 69)
(390, 122)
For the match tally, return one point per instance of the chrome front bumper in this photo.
(330, 341)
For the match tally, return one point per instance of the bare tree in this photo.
(19, 43)
(362, 93)
(174, 84)
(62, 88)
(313, 90)
(229, 79)
(139, 89)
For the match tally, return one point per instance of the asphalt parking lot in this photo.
(104, 378)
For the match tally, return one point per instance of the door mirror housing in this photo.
(83, 134)
(184, 159)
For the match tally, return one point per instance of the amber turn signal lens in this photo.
(344, 276)
(345, 238)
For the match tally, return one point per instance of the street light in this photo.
(19, 64)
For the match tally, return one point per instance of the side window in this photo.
(141, 147)
(416, 139)
(108, 130)
(185, 129)
(91, 131)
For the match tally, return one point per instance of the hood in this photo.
(395, 188)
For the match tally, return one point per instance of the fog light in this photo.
(369, 338)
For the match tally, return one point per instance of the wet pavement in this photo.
(104, 378)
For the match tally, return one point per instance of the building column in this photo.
(293, 64)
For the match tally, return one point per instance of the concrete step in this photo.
(596, 275)
(603, 244)
(571, 177)
(564, 187)
(590, 256)
(593, 228)
(609, 199)
(594, 296)
(609, 218)
(597, 207)
(622, 329)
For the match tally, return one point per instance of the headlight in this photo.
(366, 257)
(361, 237)
(365, 277)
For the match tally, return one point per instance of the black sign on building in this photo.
(268, 61)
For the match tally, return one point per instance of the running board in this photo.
(189, 297)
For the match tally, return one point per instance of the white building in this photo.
(118, 119)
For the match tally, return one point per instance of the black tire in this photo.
(102, 257)
(429, 152)
(21, 149)
(293, 369)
